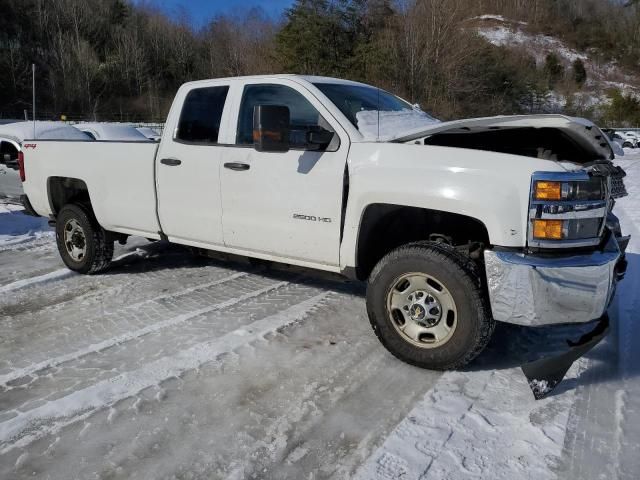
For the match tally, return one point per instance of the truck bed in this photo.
(120, 178)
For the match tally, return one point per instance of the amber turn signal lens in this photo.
(547, 229)
(548, 191)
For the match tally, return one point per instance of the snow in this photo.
(625, 88)
(542, 45)
(171, 366)
(112, 131)
(601, 77)
(39, 280)
(148, 132)
(49, 418)
(130, 335)
(44, 130)
(374, 125)
(497, 18)
(469, 425)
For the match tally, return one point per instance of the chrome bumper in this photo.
(535, 290)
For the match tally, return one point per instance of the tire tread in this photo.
(468, 270)
(103, 246)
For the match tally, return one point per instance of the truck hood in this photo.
(584, 134)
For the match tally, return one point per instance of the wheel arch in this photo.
(384, 227)
(64, 190)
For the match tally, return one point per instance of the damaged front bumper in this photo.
(535, 290)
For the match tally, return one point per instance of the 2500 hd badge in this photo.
(311, 218)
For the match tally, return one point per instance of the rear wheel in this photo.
(426, 305)
(83, 244)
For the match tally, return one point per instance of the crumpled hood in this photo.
(580, 130)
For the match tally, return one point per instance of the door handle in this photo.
(237, 166)
(172, 162)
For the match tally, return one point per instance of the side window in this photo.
(201, 115)
(304, 116)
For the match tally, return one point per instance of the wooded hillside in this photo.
(112, 60)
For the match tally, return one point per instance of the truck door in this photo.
(188, 168)
(284, 204)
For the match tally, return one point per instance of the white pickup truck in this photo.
(454, 225)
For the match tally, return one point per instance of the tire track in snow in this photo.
(62, 274)
(31, 338)
(188, 290)
(37, 280)
(52, 416)
(41, 240)
(132, 335)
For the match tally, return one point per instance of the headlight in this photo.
(548, 190)
(548, 229)
(592, 189)
(574, 229)
(567, 209)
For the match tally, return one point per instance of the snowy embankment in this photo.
(601, 77)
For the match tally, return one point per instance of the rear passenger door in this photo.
(188, 167)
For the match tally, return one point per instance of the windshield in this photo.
(374, 112)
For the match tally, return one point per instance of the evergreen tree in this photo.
(313, 40)
(579, 72)
(553, 69)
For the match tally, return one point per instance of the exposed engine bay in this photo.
(549, 137)
(546, 143)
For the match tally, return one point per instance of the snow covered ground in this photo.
(176, 366)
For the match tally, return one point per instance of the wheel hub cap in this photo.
(74, 240)
(422, 310)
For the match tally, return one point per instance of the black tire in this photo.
(460, 276)
(99, 248)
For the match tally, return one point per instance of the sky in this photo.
(201, 11)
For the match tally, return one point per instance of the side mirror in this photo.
(271, 128)
(319, 139)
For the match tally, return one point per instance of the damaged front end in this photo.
(549, 137)
(575, 251)
(568, 273)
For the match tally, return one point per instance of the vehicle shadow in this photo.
(16, 223)
(161, 255)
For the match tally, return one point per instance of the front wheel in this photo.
(426, 306)
(83, 244)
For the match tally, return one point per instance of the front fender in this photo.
(492, 188)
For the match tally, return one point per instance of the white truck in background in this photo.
(454, 225)
(12, 135)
